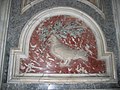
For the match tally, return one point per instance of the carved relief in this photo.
(65, 44)
(62, 44)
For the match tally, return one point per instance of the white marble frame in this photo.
(31, 4)
(22, 52)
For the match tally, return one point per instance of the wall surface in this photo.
(17, 20)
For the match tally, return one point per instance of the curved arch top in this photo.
(32, 24)
(23, 49)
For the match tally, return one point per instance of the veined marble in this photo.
(62, 44)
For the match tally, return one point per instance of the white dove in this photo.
(64, 52)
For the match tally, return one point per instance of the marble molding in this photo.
(4, 18)
(26, 4)
(64, 44)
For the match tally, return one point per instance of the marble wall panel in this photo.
(18, 20)
(62, 44)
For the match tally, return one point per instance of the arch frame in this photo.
(23, 50)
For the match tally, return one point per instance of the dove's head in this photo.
(53, 39)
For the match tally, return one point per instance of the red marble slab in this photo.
(62, 44)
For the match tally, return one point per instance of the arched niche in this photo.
(22, 52)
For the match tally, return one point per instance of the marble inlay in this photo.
(62, 44)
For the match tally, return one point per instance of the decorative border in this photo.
(26, 7)
(22, 52)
